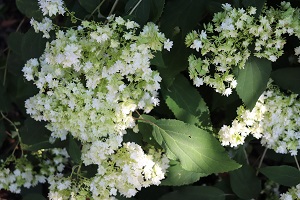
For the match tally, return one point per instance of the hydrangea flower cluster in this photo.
(275, 119)
(126, 172)
(225, 44)
(292, 194)
(91, 79)
(26, 175)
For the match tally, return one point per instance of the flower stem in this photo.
(297, 163)
(136, 5)
(113, 7)
(261, 160)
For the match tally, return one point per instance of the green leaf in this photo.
(196, 149)
(186, 103)
(158, 60)
(33, 196)
(175, 61)
(89, 5)
(2, 133)
(177, 176)
(184, 14)
(15, 63)
(146, 131)
(14, 42)
(157, 7)
(195, 192)
(19, 90)
(244, 183)
(5, 104)
(74, 150)
(287, 78)
(252, 80)
(141, 13)
(284, 174)
(33, 45)
(29, 8)
(34, 135)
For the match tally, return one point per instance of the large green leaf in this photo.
(2, 133)
(14, 42)
(195, 192)
(184, 14)
(34, 135)
(5, 104)
(175, 61)
(33, 45)
(74, 149)
(29, 8)
(34, 196)
(19, 90)
(287, 78)
(141, 12)
(196, 149)
(186, 103)
(157, 7)
(284, 175)
(15, 63)
(244, 183)
(252, 80)
(177, 176)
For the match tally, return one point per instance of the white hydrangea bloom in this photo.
(292, 194)
(45, 26)
(25, 174)
(224, 44)
(51, 7)
(89, 88)
(274, 119)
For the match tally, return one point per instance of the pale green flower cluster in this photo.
(227, 42)
(90, 80)
(25, 174)
(126, 171)
(292, 194)
(275, 119)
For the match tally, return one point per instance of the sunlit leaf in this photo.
(177, 176)
(196, 149)
(186, 103)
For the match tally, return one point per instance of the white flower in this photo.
(51, 7)
(196, 45)
(168, 44)
(297, 51)
(198, 82)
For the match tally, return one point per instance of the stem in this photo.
(113, 7)
(261, 160)
(297, 163)
(136, 5)
(97, 8)
(17, 130)
(5, 67)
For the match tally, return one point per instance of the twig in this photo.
(261, 160)
(113, 7)
(97, 8)
(297, 163)
(136, 5)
